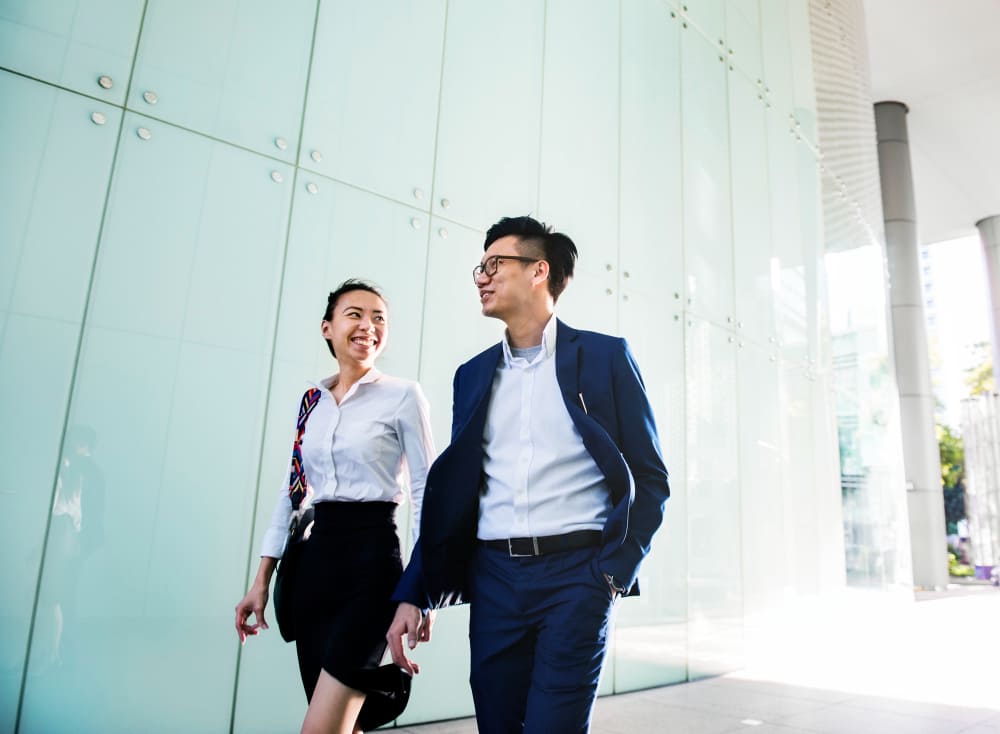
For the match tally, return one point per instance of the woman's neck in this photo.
(348, 376)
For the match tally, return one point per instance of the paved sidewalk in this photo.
(867, 667)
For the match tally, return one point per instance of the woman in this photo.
(365, 429)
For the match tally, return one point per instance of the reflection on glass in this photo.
(76, 530)
(876, 542)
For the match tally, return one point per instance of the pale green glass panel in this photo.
(122, 399)
(153, 382)
(578, 182)
(651, 250)
(811, 238)
(743, 39)
(72, 44)
(715, 583)
(194, 240)
(337, 232)
(651, 639)
(803, 81)
(776, 53)
(800, 480)
(373, 96)
(788, 269)
(829, 501)
(233, 69)
(752, 257)
(489, 123)
(651, 634)
(52, 189)
(708, 255)
(454, 328)
(709, 16)
(269, 696)
(767, 579)
(36, 365)
(52, 185)
(590, 301)
(171, 501)
(874, 507)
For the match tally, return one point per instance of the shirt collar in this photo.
(370, 376)
(548, 343)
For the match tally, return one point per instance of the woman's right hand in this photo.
(253, 603)
(255, 600)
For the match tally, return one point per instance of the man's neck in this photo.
(526, 331)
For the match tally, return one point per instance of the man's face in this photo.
(508, 291)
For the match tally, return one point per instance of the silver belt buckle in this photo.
(510, 549)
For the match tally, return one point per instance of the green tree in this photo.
(979, 379)
(952, 452)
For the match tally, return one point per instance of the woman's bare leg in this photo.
(334, 707)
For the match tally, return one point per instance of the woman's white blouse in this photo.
(361, 450)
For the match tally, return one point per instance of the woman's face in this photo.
(358, 328)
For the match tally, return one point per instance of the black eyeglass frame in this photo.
(484, 268)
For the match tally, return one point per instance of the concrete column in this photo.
(921, 461)
(989, 233)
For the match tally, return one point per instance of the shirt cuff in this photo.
(274, 543)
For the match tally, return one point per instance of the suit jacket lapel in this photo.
(568, 365)
(479, 387)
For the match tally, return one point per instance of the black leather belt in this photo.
(540, 546)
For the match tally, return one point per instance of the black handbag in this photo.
(298, 527)
(388, 689)
(284, 580)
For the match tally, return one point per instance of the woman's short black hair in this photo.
(536, 239)
(351, 284)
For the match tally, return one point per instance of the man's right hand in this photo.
(409, 623)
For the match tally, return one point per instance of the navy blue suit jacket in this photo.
(614, 419)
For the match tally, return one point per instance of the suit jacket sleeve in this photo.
(640, 446)
(412, 586)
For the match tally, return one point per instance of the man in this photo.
(543, 506)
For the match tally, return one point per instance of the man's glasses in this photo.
(490, 265)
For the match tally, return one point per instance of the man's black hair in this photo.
(536, 239)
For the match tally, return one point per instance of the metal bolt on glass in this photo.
(144, 133)
(98, 118)
(150, 97)
(105, 82)
(277, 177)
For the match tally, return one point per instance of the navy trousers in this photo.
(538, 631)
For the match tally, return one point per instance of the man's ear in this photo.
(541, 272)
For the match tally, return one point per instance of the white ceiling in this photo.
(942, 59)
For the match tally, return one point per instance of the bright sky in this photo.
(961, 315)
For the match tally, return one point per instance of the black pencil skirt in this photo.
(348, 570)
